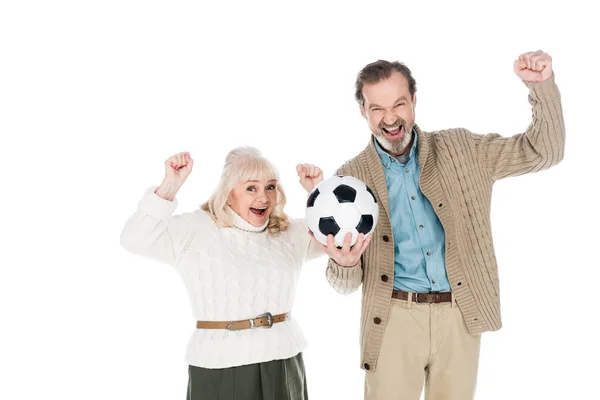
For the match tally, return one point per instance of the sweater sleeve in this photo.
(540, 147)
(153, 232)
(310, 249)
(344, 280)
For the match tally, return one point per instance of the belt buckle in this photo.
(266, 315)
(417, 298)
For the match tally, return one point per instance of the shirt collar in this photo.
(386, 159)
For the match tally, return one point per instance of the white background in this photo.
(95, 95)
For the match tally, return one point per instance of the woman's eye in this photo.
(271, 187)
(251, 189)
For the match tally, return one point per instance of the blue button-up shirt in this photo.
(419, 239)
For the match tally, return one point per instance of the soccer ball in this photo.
(339, 205)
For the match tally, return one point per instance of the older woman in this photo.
(239, 256)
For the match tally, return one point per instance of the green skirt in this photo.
(272, 380)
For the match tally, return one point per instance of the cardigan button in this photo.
(384, 278)
(385, 238)
(367, 366)
(377, 320)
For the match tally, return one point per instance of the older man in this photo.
(429, 274)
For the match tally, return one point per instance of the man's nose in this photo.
(389, 118)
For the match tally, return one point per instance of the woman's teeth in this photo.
(258, 211)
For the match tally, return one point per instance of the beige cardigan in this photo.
(458, 169)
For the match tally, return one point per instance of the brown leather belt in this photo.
(265, 320)
(443, 297)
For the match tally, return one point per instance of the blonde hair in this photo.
(244, 164)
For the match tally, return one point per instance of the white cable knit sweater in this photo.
(230, 274)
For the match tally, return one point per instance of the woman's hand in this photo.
(177, 169)
(310, 176)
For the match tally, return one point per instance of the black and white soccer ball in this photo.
(339, 205)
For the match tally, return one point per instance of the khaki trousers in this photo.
(425, 345)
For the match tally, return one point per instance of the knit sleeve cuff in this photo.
(344, 271)
(155, 206)
(544, 89)
(344, 279)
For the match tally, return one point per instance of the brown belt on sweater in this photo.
(443, 297)
(265, 320)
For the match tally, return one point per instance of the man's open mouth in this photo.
(394, 131)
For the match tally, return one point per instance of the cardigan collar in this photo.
(370, 158)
